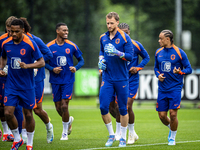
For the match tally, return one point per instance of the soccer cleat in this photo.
(122, 143)
(28, 147)
(132, 138)
(0, 133)
(110, 140)
(172, 142)
(24, 139)
(169, 135)
(117, 137)
(50, 135)
(70, 125)
(16, 145)
(8, 137)
(64, 136)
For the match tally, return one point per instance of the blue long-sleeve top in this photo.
(116, 67)
(165, 61)
(138, 51)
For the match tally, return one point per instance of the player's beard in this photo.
(112, 30)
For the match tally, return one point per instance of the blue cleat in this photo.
(171, 142)
(110, 141)
(169, 135)
(122, 143)
(16, 145)
(50, 135)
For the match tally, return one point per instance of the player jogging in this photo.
(171, 63)
(62, 74)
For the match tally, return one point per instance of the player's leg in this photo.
(121, 89)
(174, 105)
(118, 123)
(105, 96)
(66, 90)
(56, 91)
(132, 136)
(28, 103)
(10, 101)
(24, 132)
(39, 92)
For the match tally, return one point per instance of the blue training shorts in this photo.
(39, 91)
(168, 100)
(62, 91)
(133, 88)
(108, 89)
(25, 98)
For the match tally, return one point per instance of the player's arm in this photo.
(186, 64)
(3, 62)
(78, 66)
(47, 54)
(38, 64)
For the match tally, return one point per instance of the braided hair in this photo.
(168, 33)
(123, 26)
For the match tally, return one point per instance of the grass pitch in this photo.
(89, 131)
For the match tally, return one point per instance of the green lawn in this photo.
(89, 131)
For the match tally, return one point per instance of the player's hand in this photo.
(101, 64)
(35, 72)
(133, 70)
(23, 65)
(109, 48)
(57, 70)
(161, 78)
(176, 70)
(72, 69)
(2, 73)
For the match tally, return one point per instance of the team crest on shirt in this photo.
(15, 63)
(166, 66)
(22, 51)
(173, 57)
(117, 41)
(61, 60)
(67, 50)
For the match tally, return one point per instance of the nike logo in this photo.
(104, 40)
(160, 56)
(175, 104)
(67, 95)
(124, 86)
(131, 94)
(54, 51)
(31, 104)
(8, 51)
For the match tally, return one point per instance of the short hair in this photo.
(18, 22)
(124, 26)
(168, 33)
(113, 14)
(9, 20)
(27, 27)
(60, 24)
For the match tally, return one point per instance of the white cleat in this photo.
(64, 137)
(70, 125)
(117, 137)
(132, 138)
(50, 135)
(24, 138)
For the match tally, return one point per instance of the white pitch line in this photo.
(140, 145)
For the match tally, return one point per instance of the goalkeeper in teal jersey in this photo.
(115, 50)
(171, 63)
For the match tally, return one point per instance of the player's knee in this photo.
(123, 111)
(64, 108)
(8, 115)
(104, 110)
(37, 111)
(173, 116)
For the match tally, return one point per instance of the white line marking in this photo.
(140, 145)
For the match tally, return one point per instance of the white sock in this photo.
(131, 128)
(173, 135)
(118, 126)
(123, 132)
(5, 127)
(110, 128)
(168, 126)
(30, 136)
(48, 125)
(65, 127)
(16, 135)
(24, 133)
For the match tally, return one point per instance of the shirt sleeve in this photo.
(156, 67)
(186, 64)
(36, 53)
(128, 49)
